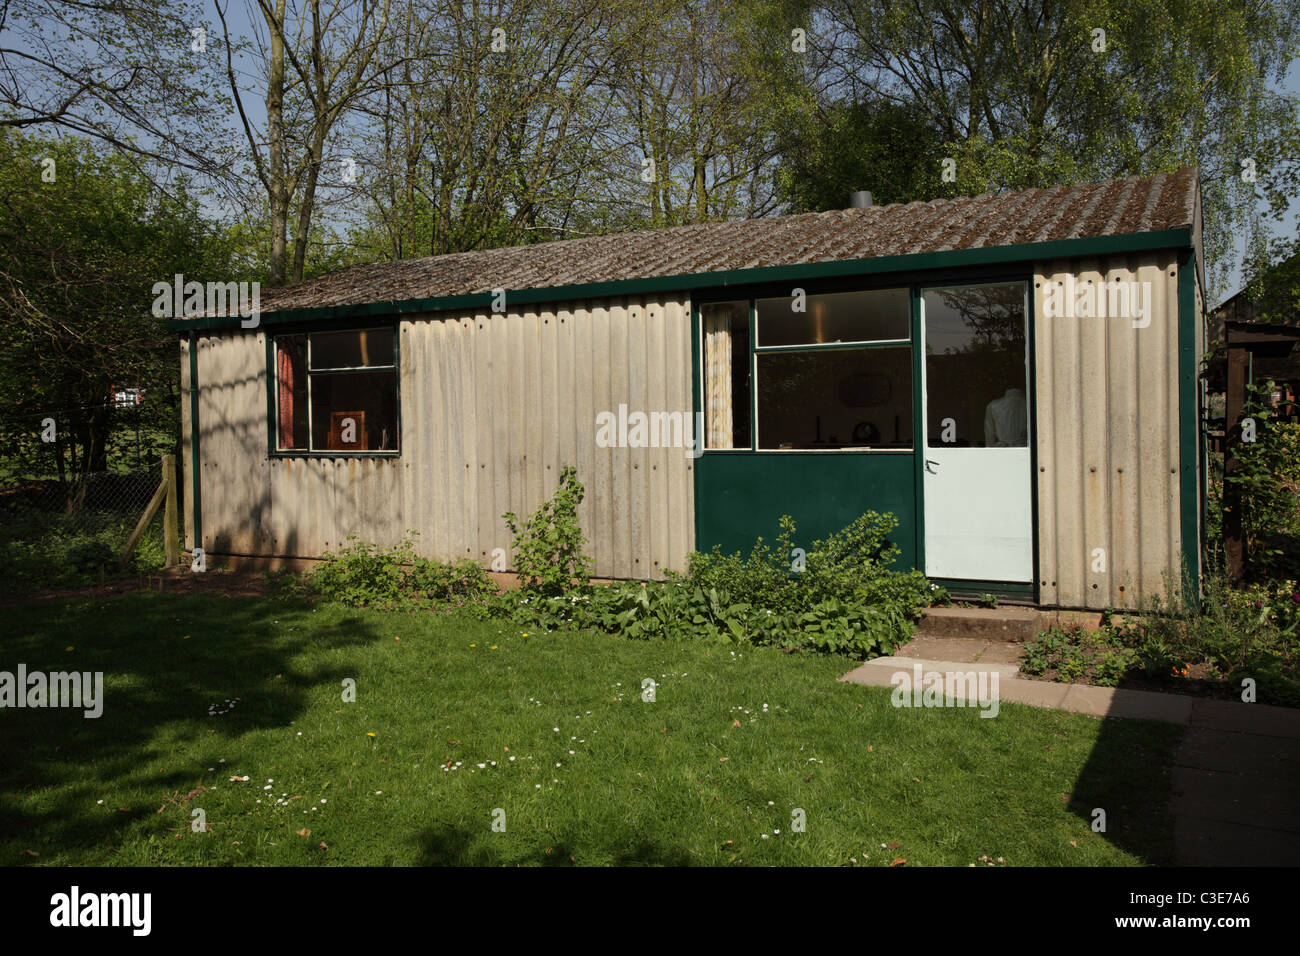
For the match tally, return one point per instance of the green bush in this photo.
(1268, 480)
(549, 546)
(845, 600)
(366, 575)
(42, 550)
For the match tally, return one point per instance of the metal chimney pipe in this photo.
(860, 199)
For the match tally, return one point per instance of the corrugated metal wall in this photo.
(492, 408)
(1107, 435)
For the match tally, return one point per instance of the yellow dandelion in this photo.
(68, 648)
(368, 734)
(494, 647)
(473, 645)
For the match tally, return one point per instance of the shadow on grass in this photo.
(1128, 777)
(450, 846)
(166, 662)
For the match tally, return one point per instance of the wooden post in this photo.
(1234, 405)
(143, 523)
(170, 519)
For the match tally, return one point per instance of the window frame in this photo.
(752, 296)
(273, 391)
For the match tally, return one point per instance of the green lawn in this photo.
(550, 728)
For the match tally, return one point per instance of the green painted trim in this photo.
(696, 408)
(196, 483)
(1031, 391)
(999, 589)
(752, 377)
(1189, 504)
(833, 346)
(924, 261)
(919, 423)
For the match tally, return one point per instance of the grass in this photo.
(735, 740)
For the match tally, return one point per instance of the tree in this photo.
(79, 254)
(317, 61)
(1061, 91)
(134, 75)
(889, 148)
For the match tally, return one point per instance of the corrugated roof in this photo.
(1090, 210)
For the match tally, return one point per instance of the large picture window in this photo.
(830, 371)
(336, 392)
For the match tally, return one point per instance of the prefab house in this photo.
(1014, 376)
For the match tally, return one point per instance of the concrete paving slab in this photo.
(1234, 797)
(1131, 704)
(1001, 652)
(1202, 842)
(1246, 718)
(1034, 693)
(1234, 752)
(930, 647)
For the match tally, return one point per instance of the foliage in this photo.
(39, 550)
(1268, 482)
(366, 575)
(548, 547)
(1245, 633)
(78, 259)
(1072, 653)
(1042, 101)
(831, 150)
(845, 601)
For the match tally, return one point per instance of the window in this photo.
(835, 398)
(336, 391)
(975, 367)
(726, 374)
(828, 371)
(881, 314)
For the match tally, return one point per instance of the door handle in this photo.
(928, 463)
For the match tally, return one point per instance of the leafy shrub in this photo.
(1268, 480)
(90, 555)
(845, 601)
(366, 575)
(549, 546)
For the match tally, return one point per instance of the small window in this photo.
(336, 391)
(873, 316)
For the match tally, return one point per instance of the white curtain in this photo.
(717, 375)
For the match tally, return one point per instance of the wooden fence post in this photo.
(142, 525)
(170, 520)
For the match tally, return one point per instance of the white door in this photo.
(977, 487)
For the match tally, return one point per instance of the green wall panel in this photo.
(739, 497)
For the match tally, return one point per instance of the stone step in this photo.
(982, 623)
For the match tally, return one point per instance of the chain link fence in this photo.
(64, 526)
